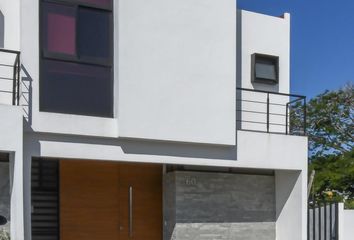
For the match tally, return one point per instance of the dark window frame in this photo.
(47, 55)
(81, 3)
(272, 58)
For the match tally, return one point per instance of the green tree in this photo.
(334, 180)
(331, 139)
(330, 118)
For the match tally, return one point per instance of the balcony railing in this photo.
(10, 67)
(271, 112)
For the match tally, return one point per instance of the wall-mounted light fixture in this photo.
(3, 220)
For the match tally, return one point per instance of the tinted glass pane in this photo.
(94, 33)
(266, 69)
(76, 89)
(59, 31)
(100, 3)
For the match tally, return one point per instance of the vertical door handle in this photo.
(130, 211)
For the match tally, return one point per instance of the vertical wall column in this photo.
(291, 205)
(17, 197)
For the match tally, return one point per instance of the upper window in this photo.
(59, 29)
(265, 68)
(76, 57)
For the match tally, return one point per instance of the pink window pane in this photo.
(60, 32)
(100, 3)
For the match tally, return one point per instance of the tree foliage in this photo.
(331, 140)
(334, 180)
(330, 122)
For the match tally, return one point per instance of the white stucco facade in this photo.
(9, 39)
(184, 51)
(177, 65)
(345, 223)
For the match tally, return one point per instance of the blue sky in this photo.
(322, 41)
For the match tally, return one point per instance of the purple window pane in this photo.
(60, 28)
(101, 3)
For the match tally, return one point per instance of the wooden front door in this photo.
(110, 201)
(141, 202)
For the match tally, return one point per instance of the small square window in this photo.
(265, 68)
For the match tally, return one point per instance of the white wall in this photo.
(268, 35)
(174, 73)
(2, 30)
(274, 151)
(175, 78)
(347, 224)
(291, 205)
(11, 141)
(7, 61)
(177, 70)
(255, 151)
(11, 11)
(9, 39)
(43, 121)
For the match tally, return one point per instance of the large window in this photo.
(77, 57)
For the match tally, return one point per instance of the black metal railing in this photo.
(10, 67)
(322, 221)
(271, 112)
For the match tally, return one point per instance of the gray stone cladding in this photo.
(204, 205)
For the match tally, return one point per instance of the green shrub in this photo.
(349, 204)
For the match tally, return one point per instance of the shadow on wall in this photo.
(2, 30)
(26, 94)
(286, 183)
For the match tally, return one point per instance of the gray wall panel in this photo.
(219, 206)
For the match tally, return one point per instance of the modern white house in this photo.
(149, 120)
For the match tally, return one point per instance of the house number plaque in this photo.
(191, 181)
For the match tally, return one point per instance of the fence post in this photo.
(308, 221)
(330, 221)
(319, 222)
(325, 220)
(336, 221)
(305, 116)
(314, 220)
(267, 112)
(18, 78)
(14, 85)
(286, 118)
